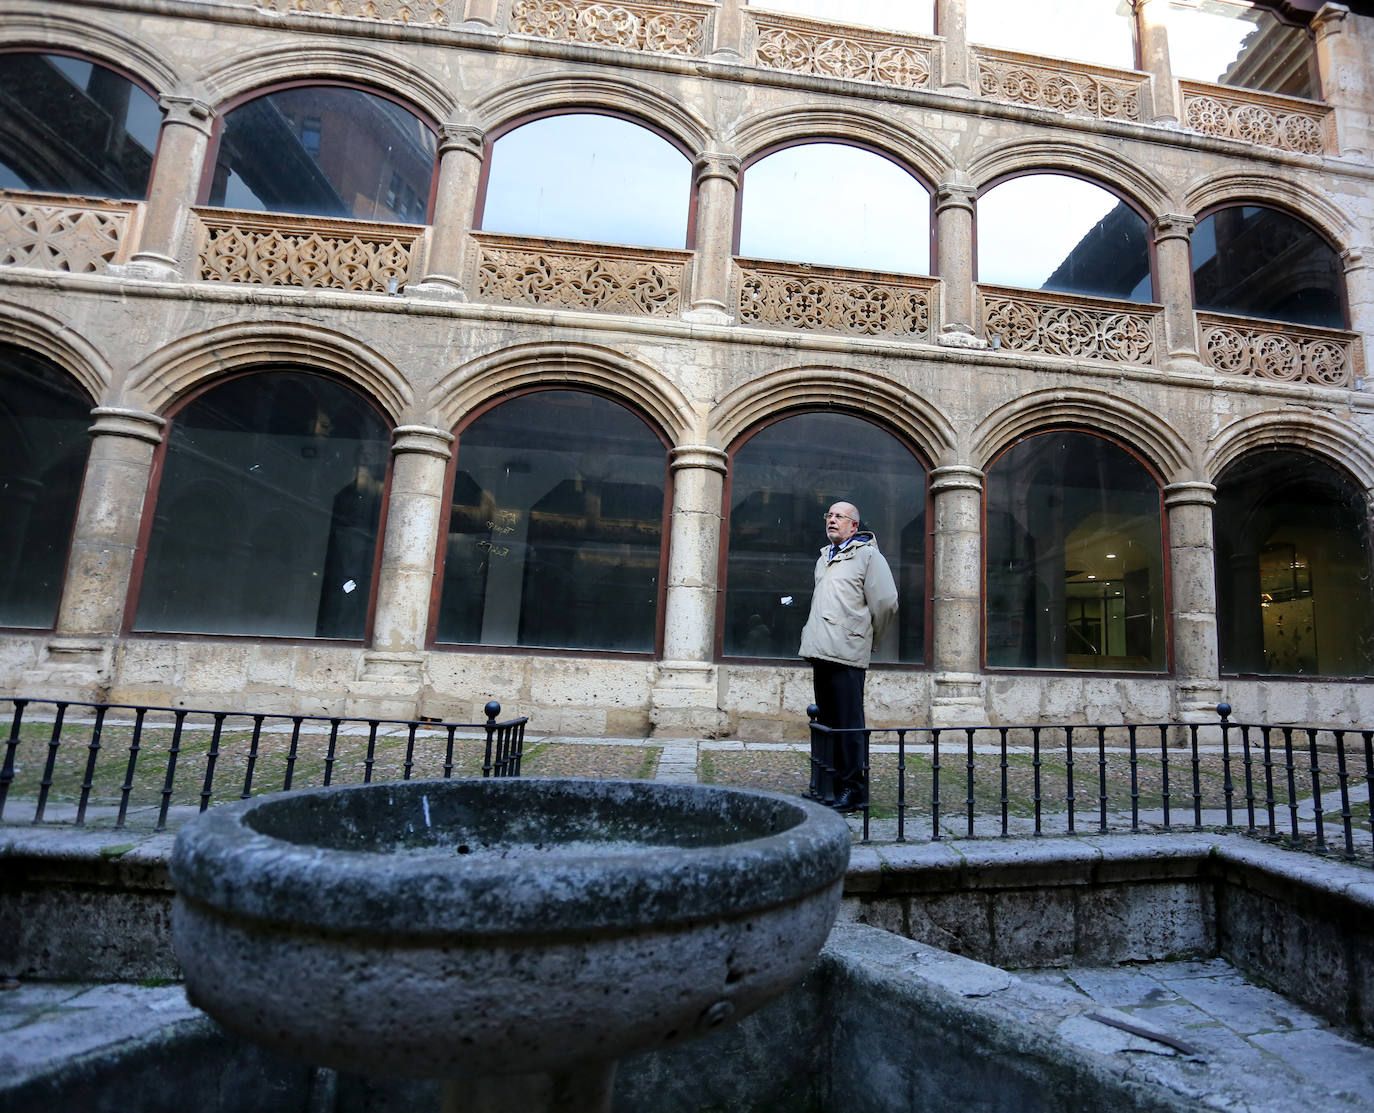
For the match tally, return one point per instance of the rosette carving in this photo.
(1062, 86)
(387, 11)
(1064, 325)
(800, 46)
(1279, 352)
(1283, 123)
(659, 28)
(814, 299)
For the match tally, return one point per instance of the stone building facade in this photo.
(379, 425)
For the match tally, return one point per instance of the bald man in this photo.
(854, 603)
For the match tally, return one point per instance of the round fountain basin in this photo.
(433, 928)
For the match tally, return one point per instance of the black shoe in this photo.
(850, 800)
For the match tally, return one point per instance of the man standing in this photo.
(854, 602)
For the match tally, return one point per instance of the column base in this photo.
(435, 287)
(72, 669)
(1195, 701)
(958, 335)
(958, 700)
(1186, 363)
(155, 268)
(685, 701)
(709, 313)
(388, 686)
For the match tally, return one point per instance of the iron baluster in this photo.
(1002, 731)
(1135, 781)
(253, 747)
(11, 745)
(1269, 800)
(448, 752)
(1197, 778)
(134, 745)
(1035, 766)
(371, 757)
(170, 780)
(1247, 765)
(329, 753)
(1068, 773)
(45, 782)
(968, 762)
(1102, 778)
(1316, 791)
(291, 752)
(1227, 787)
(901, 785)
(1164, 772)
(92, 756)
(211, 759)
(1292, 782)
(1343, 777)
(410, 751)
(935, 785)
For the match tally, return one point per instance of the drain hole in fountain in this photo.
(464, 849)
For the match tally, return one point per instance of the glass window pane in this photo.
(587, 177)
(44, 418)
(556, 528)
(1103, 31)
(782, 480)
(916, 17)
(1075, 557)
(838, 205)
(266, 515)
(1055, 232)
(1293, 568)
(325, 151)
(1241, 45)
(74, 127)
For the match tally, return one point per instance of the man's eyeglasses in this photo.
(841, 517)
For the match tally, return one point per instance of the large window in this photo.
(555, 534)
(1239, 43)
(1101, 31)
(782, 480)
(584, 176)
(1075, 557)
(1293, 568)
(44, 418)
(69, 126)
(325, 150)
(834, 204)
(1260, 262)
(267, 511)
(911, 16)
(1055, 232)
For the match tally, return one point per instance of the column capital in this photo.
(1192, 493)
(717, 164)
(189, 111)
(698, 456)
(955, 193)
(956, 477)
(115, 421)
(423, 439)
(1353, 259)
(1173, 226)
(462, 137)
(1329, 20)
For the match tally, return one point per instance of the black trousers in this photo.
(840, 696)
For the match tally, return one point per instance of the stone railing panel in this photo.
(437, 12)
(662, 28)
(1279, 352)
(828, 299)
(798, 45)
(565, 274)
(1073, 326)
(1071, 87)
(1266, 119)
(274, 249)
(58, 233)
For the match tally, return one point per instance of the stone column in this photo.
(727, 41)
(717, 181)
(686, 697)
(483, 13)
(390, 673)
(1174, 271)
(461, 150)
(1359, 292)
(177, 171)
(1346, 78)
(1154, 59)
(104, 540)
(1197, 682)
(954, 202)
(951, 24)
(957, 564)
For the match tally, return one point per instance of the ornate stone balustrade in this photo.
(1072, 87)
(799, 45)
(57, 233)
(1284, 123)
(273, 249)
(520, 270)
(1070, 325)
(1280, 352)
(827, 299)
(659, 28)
(439, 12)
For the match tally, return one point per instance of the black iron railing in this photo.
(1283, 782)
(75, 761)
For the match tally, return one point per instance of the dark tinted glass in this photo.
(1293, 568)
(556, 529)
(266, 515)
(1075, 557)
(783, 479)
(68, 126)
(325, 151)
(1259, 262)
(44, 418)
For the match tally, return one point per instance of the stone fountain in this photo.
(513, 937)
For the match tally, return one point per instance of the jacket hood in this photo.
(863, 537)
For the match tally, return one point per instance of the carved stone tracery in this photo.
(659, 28)
(1065, 325)
(1062, 86)
(61, 236)
(775, 295)
(1264, 119)
(389, 11)
(800, 46)
(1279, 352)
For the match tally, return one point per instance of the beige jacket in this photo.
(855, 601)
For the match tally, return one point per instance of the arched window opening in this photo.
(837, 205)
(325, 150)
(585, 176)
(1103, 31)
(1293, 568)
(913, 17)
(1259, 262)
(555, 534)
(44, 442)
(782, 480)
(1075, 557)
(266, 520)
(71, 126)
(1240, 44)
(1056, 232)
